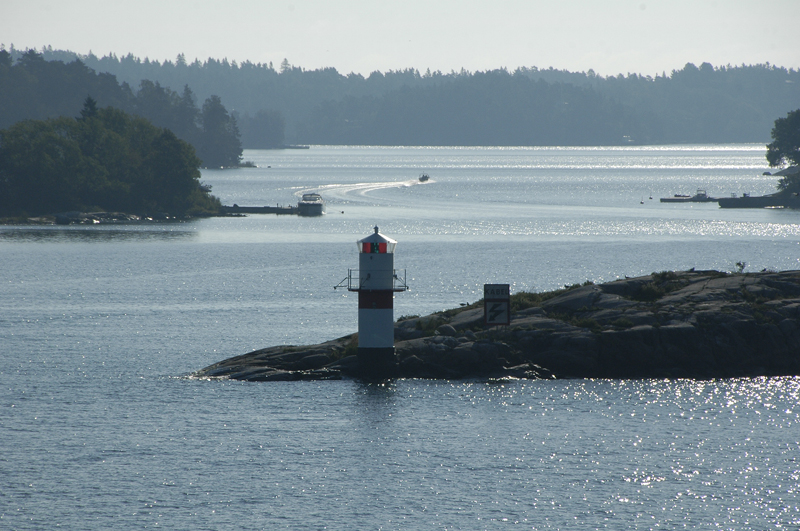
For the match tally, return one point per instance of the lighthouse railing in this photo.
(354, 282)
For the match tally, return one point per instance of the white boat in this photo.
(311, 205)
(700, 197)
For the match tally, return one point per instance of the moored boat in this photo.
(311, 205)
(699, 197)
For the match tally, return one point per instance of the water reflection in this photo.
(377, 401)
(60, 234)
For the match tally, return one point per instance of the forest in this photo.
(32, 88)
(102, 160)
(528, 106)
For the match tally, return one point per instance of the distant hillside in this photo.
(529, 106)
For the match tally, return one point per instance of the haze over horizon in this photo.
(647, 37)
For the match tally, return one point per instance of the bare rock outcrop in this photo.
(691, 324)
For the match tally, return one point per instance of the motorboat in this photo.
(311, 205)
(699, 197)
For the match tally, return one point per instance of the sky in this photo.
(646, 37)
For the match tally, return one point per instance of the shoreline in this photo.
(687, 324)
(103, 218)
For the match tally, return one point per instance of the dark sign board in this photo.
(497, 304)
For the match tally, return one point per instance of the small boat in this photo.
(700, 197)
(423, 177)
(311, 205)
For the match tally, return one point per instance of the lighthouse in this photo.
(376, 282)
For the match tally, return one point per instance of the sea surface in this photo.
(100, 327)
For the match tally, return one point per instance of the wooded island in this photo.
(104, 160)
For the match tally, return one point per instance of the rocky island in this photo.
(688, 324)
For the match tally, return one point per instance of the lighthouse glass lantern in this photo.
(376, 282)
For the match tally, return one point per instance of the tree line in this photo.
(525, 106)
(102, 160)
(34, 88)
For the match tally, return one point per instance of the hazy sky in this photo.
(609, 36)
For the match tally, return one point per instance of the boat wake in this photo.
(356, 191)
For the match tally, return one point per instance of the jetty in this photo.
(699, 197)
(778, 200)
(236, 209)
(311, 204)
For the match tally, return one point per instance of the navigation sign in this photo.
(497, 304)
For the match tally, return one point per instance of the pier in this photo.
(311, 204)
(236, 209)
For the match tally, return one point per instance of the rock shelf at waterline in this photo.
(689, 324)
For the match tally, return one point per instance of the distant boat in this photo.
(423, 177)
(311, 205)
(699, 197)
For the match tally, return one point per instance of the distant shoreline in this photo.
(99, 218)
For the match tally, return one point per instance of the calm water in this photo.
(99, 427)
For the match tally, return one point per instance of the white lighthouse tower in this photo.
(376, 282)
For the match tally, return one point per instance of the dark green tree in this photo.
(220, 145)
(785, 146)
(187, 114)
(89, 108)
(171, 173)
(39, 167)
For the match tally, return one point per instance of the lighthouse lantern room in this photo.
(376, 282)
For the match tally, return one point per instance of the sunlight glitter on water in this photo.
(102, 323)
